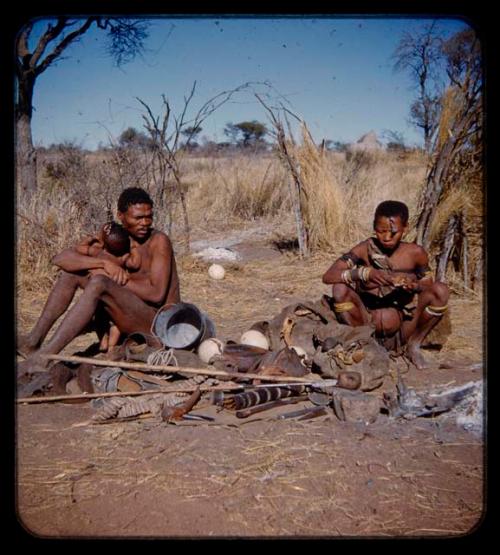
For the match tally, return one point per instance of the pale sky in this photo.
(335, 73)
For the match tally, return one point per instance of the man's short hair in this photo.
(133, 195)
(390, 209)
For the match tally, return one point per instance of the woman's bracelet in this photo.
(365, 272)
(357, 274)
(346, 277)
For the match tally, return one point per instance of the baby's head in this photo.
(116, 239)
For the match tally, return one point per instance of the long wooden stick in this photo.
(48, 399)
(173, 369)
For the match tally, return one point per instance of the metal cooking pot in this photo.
(182, 326)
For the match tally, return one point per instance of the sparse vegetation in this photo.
(205, 185)
(78, 189)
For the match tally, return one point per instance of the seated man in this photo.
(379, 277)
(130, 300)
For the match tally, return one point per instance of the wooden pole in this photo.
(446, 248)
(48, 399)
(465, 259)
(172, 369)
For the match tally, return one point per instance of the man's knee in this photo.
(99, 284)
(70, 280)
(341, 292)
(440, 292)
(68, 277)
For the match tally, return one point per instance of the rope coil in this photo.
(162, 357)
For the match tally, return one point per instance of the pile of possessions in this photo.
(181, 373)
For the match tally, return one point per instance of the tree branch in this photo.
(22, 41)
(65, 42)
(50, 34)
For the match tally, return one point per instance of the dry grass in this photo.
(235, 188)
(77, 191)
(341, 193)
(463, 190)
(253, 291)
(466, 193)
(324, 202)
(451, 106)
(45, 226)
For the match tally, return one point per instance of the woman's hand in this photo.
(380, 277)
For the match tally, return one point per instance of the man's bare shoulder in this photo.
(159, 240)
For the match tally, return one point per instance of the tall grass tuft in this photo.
(341, 193)
(323, 201)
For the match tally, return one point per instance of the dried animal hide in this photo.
(108, 378)
(193, 381)
(370, 360)
(239, 358)
(283, 362)
(295, 325)
(308, 324)
(314, 327)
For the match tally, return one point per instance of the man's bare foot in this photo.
(25, 346)
(415, 355)
(32, 365)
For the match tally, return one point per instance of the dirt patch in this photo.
(323, 478)
(265, 478)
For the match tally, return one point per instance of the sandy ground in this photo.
(266, 478)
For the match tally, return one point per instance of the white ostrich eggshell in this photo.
(254, 338)
(216, 271)
(209, 348)
(299, 350)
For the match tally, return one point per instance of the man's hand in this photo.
(117, 274)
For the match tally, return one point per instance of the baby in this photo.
(112, 242)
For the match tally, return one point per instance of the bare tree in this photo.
(165, 138)
(295, 184)
(126, 38)
(418, 54)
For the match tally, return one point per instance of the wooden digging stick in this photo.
(48, 399)
(173, 369)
